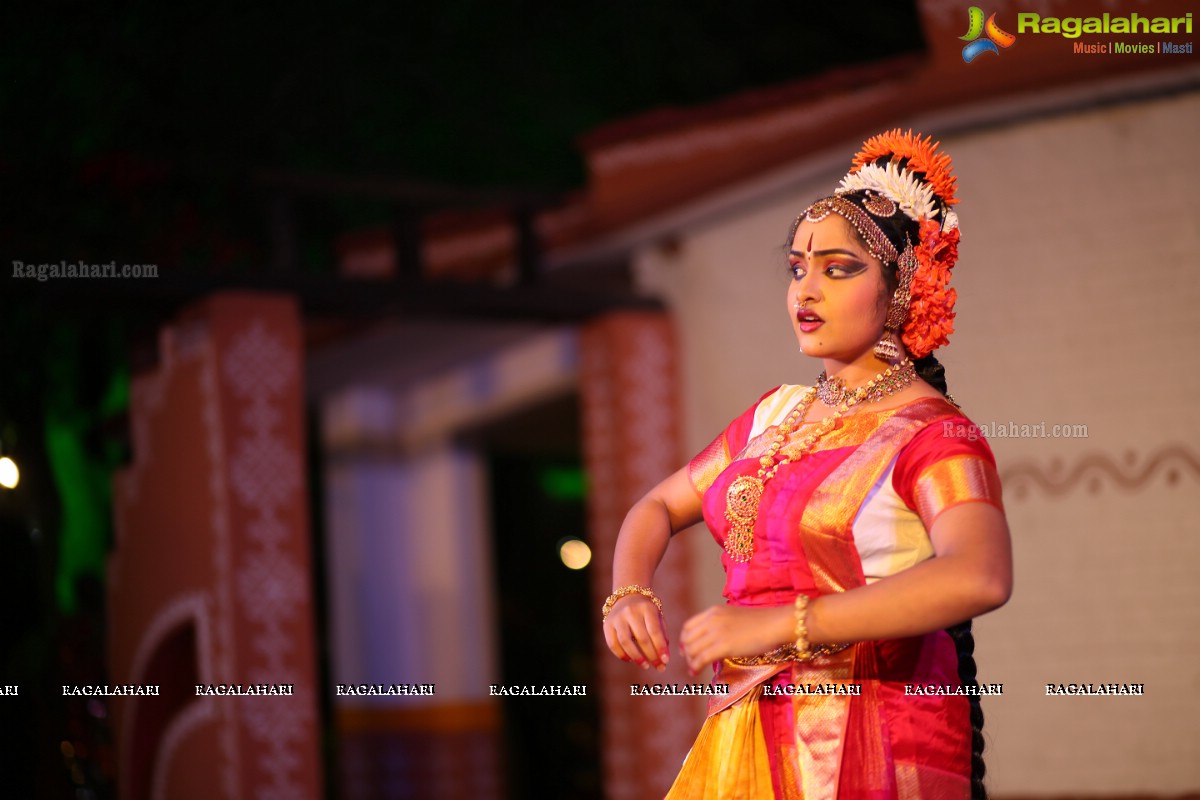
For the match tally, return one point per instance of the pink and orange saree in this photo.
(852, 511)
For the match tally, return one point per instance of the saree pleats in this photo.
(730, 759)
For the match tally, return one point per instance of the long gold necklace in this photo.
(745, 493)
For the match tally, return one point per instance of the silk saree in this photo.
(854, 510)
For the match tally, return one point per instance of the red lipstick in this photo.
(808, 320)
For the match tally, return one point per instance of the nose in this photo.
(806, 290)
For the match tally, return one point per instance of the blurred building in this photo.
(613, 333)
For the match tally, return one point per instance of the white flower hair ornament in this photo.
(906, 190)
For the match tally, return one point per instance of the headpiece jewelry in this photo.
(915, 180)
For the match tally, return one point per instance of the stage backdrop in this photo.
(209, 582)
(1077, 291)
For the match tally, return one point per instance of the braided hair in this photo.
(901, 230)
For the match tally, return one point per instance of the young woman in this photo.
(860, 523)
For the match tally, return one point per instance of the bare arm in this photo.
(970, 574)
(634, 629)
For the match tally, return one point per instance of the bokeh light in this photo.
(10, 476)
(574, 553)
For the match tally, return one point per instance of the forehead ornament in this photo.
(877, 243)
(904, 172)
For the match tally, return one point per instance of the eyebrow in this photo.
(833, 252)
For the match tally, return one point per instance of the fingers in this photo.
(659, 648)
(699, 640)
(614, 645)
(634, 632)
(696, 648)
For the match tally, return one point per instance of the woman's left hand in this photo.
(734, 631)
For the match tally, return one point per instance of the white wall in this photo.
(1078, 282)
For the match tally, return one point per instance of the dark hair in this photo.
(900, 230)
(964, 643)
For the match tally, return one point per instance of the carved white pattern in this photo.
(261, 416)
(269, 586)
(258, 365)
(269, 533)
(266, 475)
(265, 472)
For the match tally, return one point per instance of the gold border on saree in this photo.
(788, 652)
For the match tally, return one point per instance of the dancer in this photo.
(861, 527)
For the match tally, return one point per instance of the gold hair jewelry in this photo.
(906, 266)
(745, 493)
(625, 591)
(878, 204)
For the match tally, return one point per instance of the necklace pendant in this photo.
(830, 391)
(741, 509)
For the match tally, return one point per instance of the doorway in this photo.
(546, 623)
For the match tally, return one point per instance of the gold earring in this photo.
(886, 349)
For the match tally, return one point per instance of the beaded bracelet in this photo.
(625, 591)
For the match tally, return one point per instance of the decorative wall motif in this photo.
(271, 585)
(211, 562)
(1174, 465)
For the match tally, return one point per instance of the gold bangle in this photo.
(802, 647)
(625, 591)
(800, 650)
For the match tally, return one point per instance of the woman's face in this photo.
(840, 289)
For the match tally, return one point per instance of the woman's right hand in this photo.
(635, 632)
(634, 629)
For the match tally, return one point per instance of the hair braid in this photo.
(964, 643)
(933, 373)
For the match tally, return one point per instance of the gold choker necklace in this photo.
(745, 493)
(833, 392)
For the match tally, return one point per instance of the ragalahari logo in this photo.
(996, 38)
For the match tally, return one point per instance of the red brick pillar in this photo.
(630, 395)
(209, 582)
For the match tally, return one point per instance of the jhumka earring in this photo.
(886, 349)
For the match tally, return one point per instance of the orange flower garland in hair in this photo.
(931, 308)
(922, 157)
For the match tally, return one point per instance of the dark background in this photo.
(139, 132)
